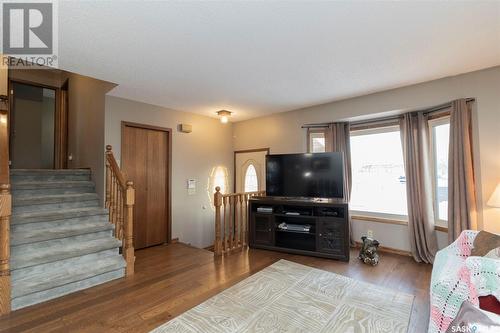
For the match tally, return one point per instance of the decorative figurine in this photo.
(368, 252)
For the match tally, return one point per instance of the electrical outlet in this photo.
(369, 233)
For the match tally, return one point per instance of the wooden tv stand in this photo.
(328, 222)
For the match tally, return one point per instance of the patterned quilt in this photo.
(457, 277)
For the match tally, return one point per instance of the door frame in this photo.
(268, 150)
(168, 203)
(60, 121)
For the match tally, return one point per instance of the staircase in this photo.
(61, 238)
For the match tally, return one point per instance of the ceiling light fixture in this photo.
(224, 116)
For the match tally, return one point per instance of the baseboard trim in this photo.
(389, 250)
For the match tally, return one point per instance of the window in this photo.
(317, 141)
(251, 181)
(219, 178)
(378, 175)
(440, 136)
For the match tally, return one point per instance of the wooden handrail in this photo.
(114, 167)
(120, 200)
(5, 210)
(231, 220)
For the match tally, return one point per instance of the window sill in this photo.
(388, 220)
(378, 219)
(441, 228)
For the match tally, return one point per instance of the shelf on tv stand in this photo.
(292, 215)
(295, 231)
(328, 237)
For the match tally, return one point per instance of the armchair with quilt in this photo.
(457, 277)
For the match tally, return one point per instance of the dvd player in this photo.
(268, 210)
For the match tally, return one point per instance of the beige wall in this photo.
(86, 142)
(194, 155)
(283, 134)
(85, 116)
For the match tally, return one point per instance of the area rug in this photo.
(289, 297)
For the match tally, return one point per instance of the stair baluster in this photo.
(120, 197)
(231, 220)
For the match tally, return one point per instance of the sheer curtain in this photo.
(462, 212)
(339, 140)
(416, 155)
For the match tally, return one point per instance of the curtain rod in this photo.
(319, 125)
(433, 109)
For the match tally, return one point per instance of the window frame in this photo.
(309, 137)
(250, 164)
(437, 121)
(390, 218)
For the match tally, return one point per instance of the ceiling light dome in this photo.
(224, 116)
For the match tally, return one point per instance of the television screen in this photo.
(318, 175)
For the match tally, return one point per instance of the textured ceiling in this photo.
(256, 58)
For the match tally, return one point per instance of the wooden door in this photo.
(146, 160)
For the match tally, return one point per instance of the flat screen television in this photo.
(318, 175)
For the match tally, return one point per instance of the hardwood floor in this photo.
(171, 279)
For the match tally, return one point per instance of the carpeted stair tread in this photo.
(61, 238)
(22, 175)
(53, 198)
(45, 295)
(28, 185)
(38, 234)
(34, 188)
(55, 215)
(20, 172)
(68, 271)
(27, 255)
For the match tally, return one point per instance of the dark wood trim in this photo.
(145, 126)
(242, 152)
(169, 167)
(252, 150)
(60, 127)
(34, 83)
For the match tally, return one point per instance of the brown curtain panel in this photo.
(416, 155)
(462, 212)
(339, 140)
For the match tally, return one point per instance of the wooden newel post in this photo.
(217, 204)
(128, 238)
(108, 176)
(5, 212)
(242, 222)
